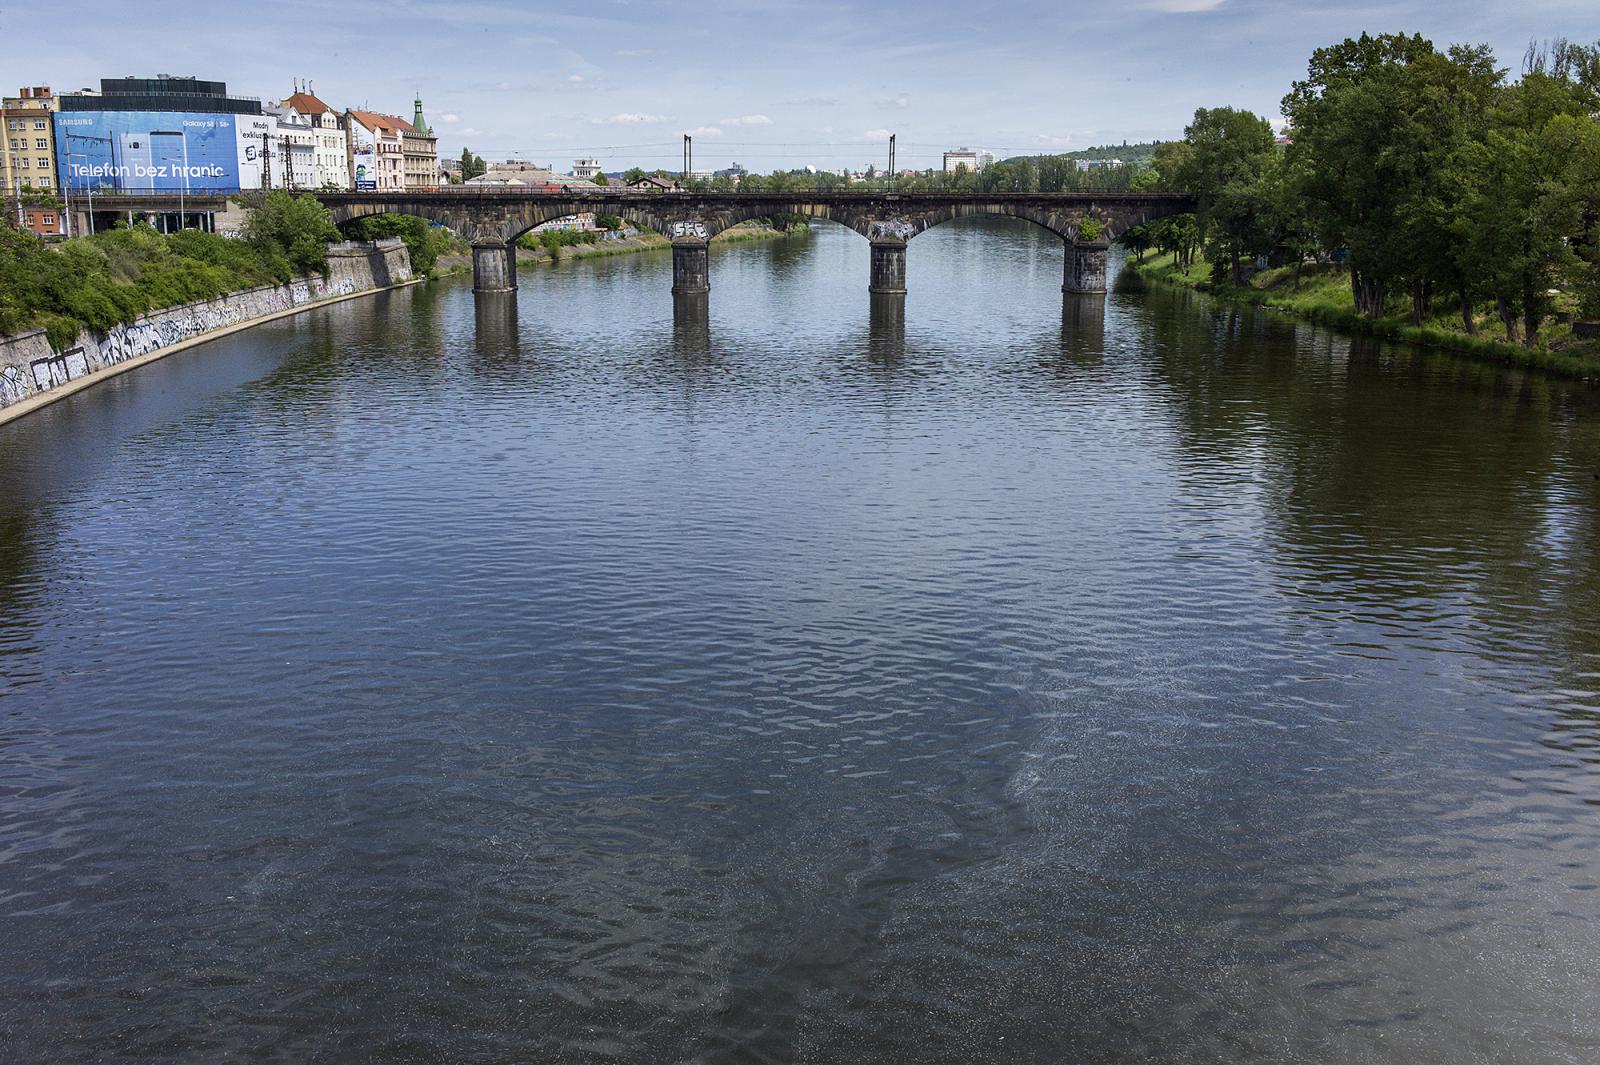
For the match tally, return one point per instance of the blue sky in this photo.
(764, 82)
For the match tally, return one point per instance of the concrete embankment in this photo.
(33, 374)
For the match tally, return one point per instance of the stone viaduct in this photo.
(491, 220)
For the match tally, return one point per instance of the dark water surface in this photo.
(426, 680)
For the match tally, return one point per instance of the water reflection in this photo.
(1083, 327)
(496, 337)
(886, 328)
(691, 325)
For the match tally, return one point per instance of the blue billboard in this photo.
(151, 151)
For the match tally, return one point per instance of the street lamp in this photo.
(184, 188)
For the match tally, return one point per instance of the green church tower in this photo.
(420, 122)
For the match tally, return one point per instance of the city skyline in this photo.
(623, 80)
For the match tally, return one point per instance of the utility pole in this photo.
(266, 163)
(892, 171)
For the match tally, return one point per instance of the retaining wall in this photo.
(30, 367)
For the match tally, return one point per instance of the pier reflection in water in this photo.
(976, 675)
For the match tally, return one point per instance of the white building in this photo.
(331, 145)
(585, 168)
(965, 157)
(292, 164)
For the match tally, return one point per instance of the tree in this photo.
(601, 179)
(472, 165)
(1225, 170)
(298, 228)
(1530, 186)
(1361, 150)
(416, 233)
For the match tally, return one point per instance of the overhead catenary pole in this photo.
(891, 161)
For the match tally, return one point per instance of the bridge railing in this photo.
(500, 193)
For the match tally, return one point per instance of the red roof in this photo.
(307, 104)
(375, 120)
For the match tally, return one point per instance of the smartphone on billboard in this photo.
(138, 162)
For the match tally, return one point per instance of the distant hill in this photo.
(1134, 154)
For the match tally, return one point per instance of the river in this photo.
(553, 679)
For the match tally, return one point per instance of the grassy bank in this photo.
(1322, 294)
(462, 263)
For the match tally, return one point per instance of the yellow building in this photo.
(28, 160)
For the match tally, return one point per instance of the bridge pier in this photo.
(691, 267)
(1086, 267)
(494, 267)
(888, 267)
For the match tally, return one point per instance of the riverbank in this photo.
(462, 263)
(1322, 295)
(36, 370)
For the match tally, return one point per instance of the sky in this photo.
(765, 83)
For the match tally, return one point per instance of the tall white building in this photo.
(585, 168)
(974, 161)
(292, 164)
(330, 142)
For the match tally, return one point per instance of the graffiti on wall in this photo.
(687, 230)
(14, 386)
(892, 229)
(21, 376)
(57, 370)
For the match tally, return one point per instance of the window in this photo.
(44, 163)
(27, 182)
(24, 162)
(47, 219)
(44, 183)
(41, 143)
(39, 123)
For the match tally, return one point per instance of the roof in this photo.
(376, 120)
(307, 104)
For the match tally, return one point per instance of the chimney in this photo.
(27, 93)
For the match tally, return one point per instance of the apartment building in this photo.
(28, 161)
(330, 142)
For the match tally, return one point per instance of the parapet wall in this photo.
(29, 367)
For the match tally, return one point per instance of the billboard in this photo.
(156, 151)
(363, 159)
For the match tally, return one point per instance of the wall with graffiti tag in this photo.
(29, 366)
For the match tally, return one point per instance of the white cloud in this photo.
(471, 131)
(704, 131)
(748, 120)
(1182, 7)
(876, 134)
(575, 78)
(450, 117)
(1052, 140)
(629, 118)
(633, 53)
